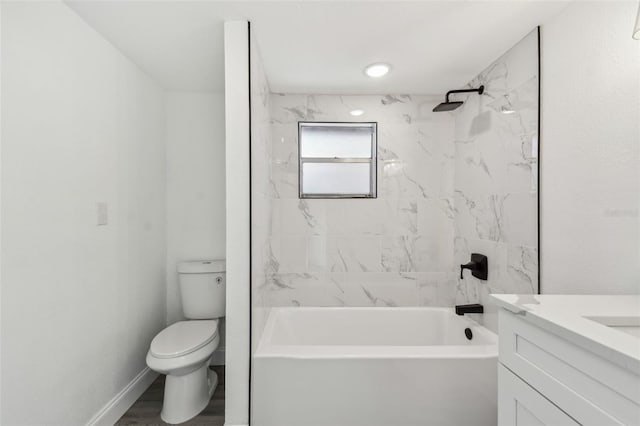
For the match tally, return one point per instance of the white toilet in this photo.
(183, 350)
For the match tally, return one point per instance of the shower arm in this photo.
(480, 91)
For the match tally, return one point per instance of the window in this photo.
(337, 160)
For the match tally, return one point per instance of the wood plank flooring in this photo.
(146, 410)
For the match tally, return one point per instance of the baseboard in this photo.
(110, 413)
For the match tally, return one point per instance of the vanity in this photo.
(568, 360)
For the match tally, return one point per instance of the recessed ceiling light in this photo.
(356, 112)
(377, 70)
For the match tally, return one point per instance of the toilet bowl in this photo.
(184, 350)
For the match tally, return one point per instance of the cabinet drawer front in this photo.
(521, 405)
(589, 388)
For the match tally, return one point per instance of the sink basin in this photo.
(628, 325)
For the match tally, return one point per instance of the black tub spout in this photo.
(474, 308)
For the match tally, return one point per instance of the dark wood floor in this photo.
(146, 410)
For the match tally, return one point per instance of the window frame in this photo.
(372, 161)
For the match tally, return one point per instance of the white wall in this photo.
(80, 302)
(237, 150)
(1, 49)
(195, 187)
(590, 154)
(195, 184)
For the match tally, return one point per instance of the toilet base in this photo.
(186, 396)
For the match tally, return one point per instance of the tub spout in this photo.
(474, 308)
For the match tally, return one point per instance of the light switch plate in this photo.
(102, 213)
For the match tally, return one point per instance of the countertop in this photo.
(580, 319)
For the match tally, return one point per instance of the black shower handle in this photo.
(478, 266)
(469, 265)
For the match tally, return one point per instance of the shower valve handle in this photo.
(478, 266)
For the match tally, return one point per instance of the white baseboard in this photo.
(110, 413)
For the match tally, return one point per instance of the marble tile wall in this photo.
(449, 184)
(396, 250)
(261, 146)
(496, 165)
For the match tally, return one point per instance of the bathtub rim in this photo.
(267, 350)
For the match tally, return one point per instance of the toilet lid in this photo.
(183, 338)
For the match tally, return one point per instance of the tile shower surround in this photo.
(448, 184)
(260, 189)
(496, 176)
(396, 250)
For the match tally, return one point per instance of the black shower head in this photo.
(450, 106)
(447, 106)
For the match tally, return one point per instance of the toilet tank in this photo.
(202, 288)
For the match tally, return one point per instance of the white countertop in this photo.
(568, 316)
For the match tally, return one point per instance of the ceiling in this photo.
(320, 46)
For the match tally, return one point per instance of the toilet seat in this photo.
(183, 338)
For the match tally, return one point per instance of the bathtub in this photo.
(374, 367)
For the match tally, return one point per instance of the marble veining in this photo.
(363, 252)
(496, 176)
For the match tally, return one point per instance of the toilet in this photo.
(183, 350)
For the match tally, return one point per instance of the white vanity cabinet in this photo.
(546, 377)
(520, 404)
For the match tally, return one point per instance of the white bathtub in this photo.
(374, 367)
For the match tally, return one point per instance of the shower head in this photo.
(447, 106)
(450, 106)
